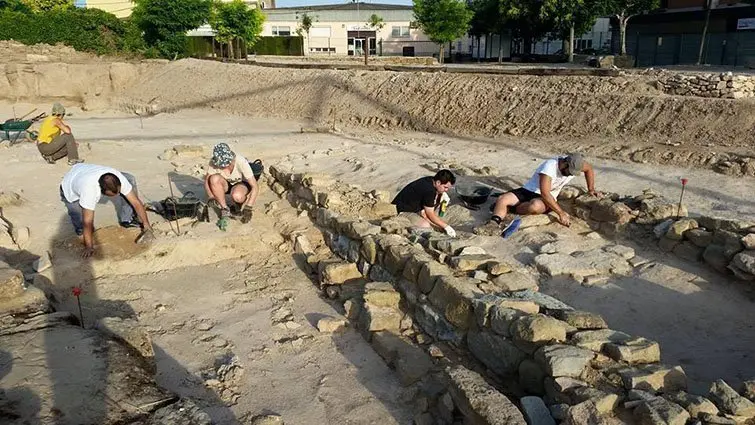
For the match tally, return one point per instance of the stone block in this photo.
(582, 320)
(748, 389)
(634, 351)
(452, 246)
(606, 210)
(622, 251)
(659, 411)
(667, 245)
(677, 228)
(535, 411)
(728, 401)
(714, 256)
(31, 300)
(482, 306)
(654, 378)
(429, 274)
(535, 220)
(729, 225)
(597, 339)
(380, 274)
(471, 262)
(11, 282)
(352, 308)
(539, 329)
(745, 261)
(472, 250)
(532, 377)
(134, 336)
(339, 273)
(563, 360)
(412, 364)
(479, 402)
(730, 241)
(496, 352)
(317, 179)
(388, 344)
(516, 281)
(381, 319)
(497, 268)
(436, 325)
(395, 258)
(699, 237)
(369, 250)
(383, 298)
(558, 411)
(694, 404)
(453, 296)
(360, 229)
(689, 251)
(330, 324)
(278, 188)
(396, 224)
(557, 389)
(586, 201)
(584, 413)
(562, 264)
(749, 241)
(501, 319)
(409, 290)
(414, 265)
(605, 402)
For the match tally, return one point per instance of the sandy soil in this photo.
(699, 318)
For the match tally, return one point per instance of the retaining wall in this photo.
(723, 85)
(471, 333)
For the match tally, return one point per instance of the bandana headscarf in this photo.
(222, 156)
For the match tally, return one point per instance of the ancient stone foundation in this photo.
(472, 338)
(723, 85)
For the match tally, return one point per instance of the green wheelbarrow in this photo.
(17, 130)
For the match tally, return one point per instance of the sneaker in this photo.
(130, 224)
(512, 227)
(73, 162)
(48, 159)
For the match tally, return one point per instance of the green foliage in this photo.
(628, 8)
(47, 5)
(305, 24)
(90, 30)
(562, 14)
(376, 22)
(442, 20)
(235, 20)
(164, 23)
(14, 6)
(287, 46)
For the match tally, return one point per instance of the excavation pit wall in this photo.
(490, 349)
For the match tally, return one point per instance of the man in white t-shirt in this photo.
(539, 194)
(81, 190)
(230, 173)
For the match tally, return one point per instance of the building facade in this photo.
(123, 8)
(344, 29)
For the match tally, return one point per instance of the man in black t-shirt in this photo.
(418, 200)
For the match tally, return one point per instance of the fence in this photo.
(726, 49)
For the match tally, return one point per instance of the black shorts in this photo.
(524, 195)
(231, 185)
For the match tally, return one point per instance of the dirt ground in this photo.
(231, 305)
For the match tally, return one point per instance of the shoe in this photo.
(512, 227)
(225, 212)
(130, 224)
(73, 162)
(49, 159)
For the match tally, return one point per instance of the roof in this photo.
(348, 6)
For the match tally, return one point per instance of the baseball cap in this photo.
(575, 162)
(58, 109)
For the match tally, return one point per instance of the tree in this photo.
(376, 22)
(165, 22)
(624, 10)
(569, 17)
(708, 7)
(14, 6)
(442, 20)
(233, 21)
(45, 5)
(487, 19)
(305, 24)
(525, 20)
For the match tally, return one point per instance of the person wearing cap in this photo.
(230, 173)
(539, 194)
(55, 139)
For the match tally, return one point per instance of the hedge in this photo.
(283, 46)
(83, 29)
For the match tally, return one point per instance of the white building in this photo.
(343, 29)
(599, 37)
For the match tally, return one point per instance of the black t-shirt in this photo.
(415, 196)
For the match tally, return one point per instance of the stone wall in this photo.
(471, 333)
(724, 85)
(726, 245)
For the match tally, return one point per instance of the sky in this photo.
(297, 3)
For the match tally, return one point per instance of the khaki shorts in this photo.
(415, 219)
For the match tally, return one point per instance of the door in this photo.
(359, 47)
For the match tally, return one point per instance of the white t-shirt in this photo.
(241, 170)
(82, 184)
(549, 168)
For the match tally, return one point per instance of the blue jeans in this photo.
(123, 208)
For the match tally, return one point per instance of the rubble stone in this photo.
(677, 229)
(748, 389)
(728, 401)
(497, 353)
(714, 256)
(563, 360)
(584, 413)
(129, 332)
(428, 275)
(532, 377)
(745, 261)
(330, 324)
(453, 296)
(535, 411)
(595, 340)
(659, 411)
(11, 282)
(689, 251)
(497, 268)
(383, 298)
(604, 402)
(749, 241)
(654, 378)
(501, 319)
(516, 281)
(562, 264)
(539, 329)
(471, 262)
(694, 404)
(582, 320)
(381, 318)
(479, 401)
(634, 351)
(699, 237)
(436, 325)
(339, 273)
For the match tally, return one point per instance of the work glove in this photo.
(246, 214)
(222, 223)
(450, 231)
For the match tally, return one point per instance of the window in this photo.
(283, 31)
(397, 32)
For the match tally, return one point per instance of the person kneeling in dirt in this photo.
(55, 140)
(539, 195)
(230, 173)
(83, 186)
(419, 199)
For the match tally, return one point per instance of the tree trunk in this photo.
(571, 43)
(441, 53)
(623, 34)
(500, 47)
(366, 47)
(478, 49)
(705, 31)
